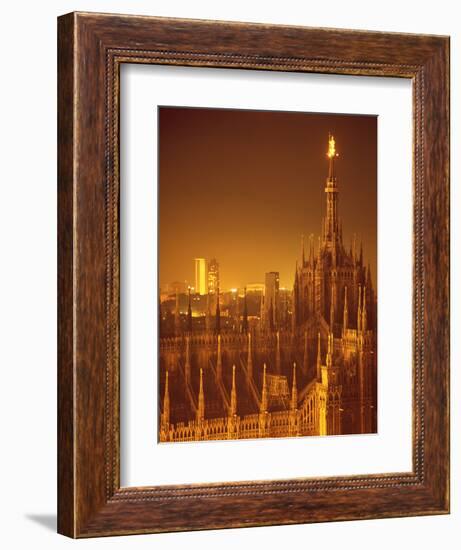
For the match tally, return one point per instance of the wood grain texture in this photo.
(91, 49)
(66, 471)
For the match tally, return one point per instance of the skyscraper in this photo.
(213, 276)
(271, 299)
(200, 276)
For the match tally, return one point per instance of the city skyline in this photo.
(222, 210)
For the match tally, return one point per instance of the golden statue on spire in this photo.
(331, 147)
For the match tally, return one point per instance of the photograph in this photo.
(267, 271)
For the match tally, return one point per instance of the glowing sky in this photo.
(243, 186)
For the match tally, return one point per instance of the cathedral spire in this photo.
(369, 283)
(187, 361)
(233, 405)
(219, 360)
(271, 316)
(249, 359)
(218, 314)
(329, 360)
(201, 400)
(319, 359)
(277, 355)
(303, 258)
(189, 315)
(245, 312)
(294, 390)
(333, 306)
(166, 404)
(364, 309)
(237, 311)
(331, 236)
(346, 311)
(359, 310)
(264, 392)
(332, 155)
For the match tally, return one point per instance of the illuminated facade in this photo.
(200, 276)
(310, 369)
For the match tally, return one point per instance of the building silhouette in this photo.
(314, 373)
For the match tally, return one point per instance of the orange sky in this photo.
(243, 186)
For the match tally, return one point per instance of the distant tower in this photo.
(213, 276)
(200, 276)
(271, 299)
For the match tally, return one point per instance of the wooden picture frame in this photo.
(92, 48)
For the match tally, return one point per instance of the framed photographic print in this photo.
(253, 275)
